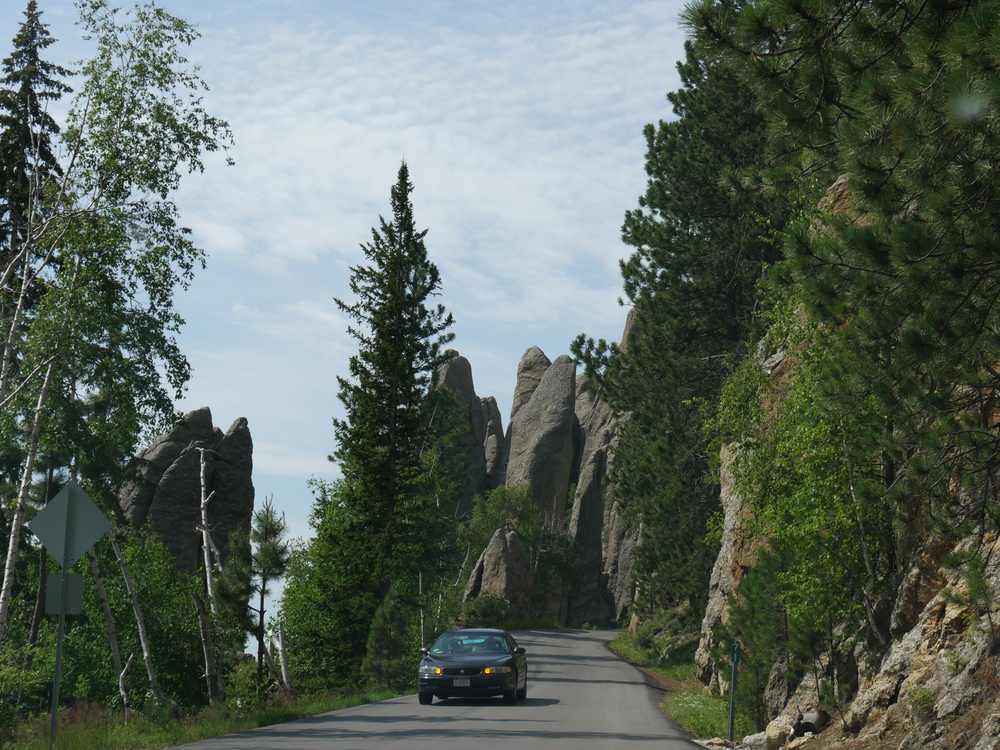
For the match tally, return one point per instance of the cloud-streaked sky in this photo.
(521, 123)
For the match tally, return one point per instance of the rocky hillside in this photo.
(932, 684)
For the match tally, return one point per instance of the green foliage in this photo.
(485, 611)
(808, 469)
(255, 559)
(902, 99)
(389, 661)
(704, 715)
(980, 594)
(921, 701)
(90, 726)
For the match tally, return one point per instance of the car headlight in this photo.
(429, 670)
(496, 670)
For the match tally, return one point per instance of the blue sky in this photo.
(522, 127)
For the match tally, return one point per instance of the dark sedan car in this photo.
(477, 663)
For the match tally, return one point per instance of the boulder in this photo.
(165, 492)
(504, 571)
(232, 504)
(539, 441)
(137, 493)
(779, 731)
(616, 578)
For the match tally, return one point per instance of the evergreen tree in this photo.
(255, 560)
(383, 521)
(902, 99)
(701, 245)
(26, 129)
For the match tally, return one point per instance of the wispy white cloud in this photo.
(522, 124)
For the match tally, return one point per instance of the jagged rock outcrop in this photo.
(504, 571)
(539, 441)
(736, 554)
(483, 447)
(165, 493)
(561, 434)
(598, 428)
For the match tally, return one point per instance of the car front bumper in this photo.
(480, 686)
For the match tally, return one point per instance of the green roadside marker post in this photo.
(735, 659)
(69, 524)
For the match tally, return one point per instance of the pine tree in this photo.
(902, 99)
(701, 246)
(255, 559)
(400, 342)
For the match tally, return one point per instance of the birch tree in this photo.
(86, 293)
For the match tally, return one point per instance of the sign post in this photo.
(735, 659)
(69, 524)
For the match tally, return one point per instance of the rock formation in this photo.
(483, 446)
(504, 571)
(561, 435)
(538, 447)
(166, 490)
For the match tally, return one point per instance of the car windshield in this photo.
(471, 643)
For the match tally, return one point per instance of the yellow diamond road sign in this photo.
(73, 512)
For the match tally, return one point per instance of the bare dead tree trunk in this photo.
(147, 655)
(282, 678)
(211, 673)
(112, 635)
(207, 544)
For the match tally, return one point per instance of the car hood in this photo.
(468, 660)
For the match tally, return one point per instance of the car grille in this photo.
(463, 671)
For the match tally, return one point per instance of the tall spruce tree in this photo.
(378, 525)
(701, 245)
(29, 83)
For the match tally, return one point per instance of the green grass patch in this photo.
(87, 726)
(704, 715)
(664, 645)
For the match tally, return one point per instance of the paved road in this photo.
(580, 695)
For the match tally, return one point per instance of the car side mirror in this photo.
(423, 651)
(519, 650)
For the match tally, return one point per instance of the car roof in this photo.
(475, 631)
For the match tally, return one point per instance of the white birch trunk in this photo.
(286, 688)
(208, 649)
(147, 655)
(22, 501)
(112, 635)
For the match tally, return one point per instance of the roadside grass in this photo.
(89, 726)
(666, 645)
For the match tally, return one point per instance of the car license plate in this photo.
(461, 682)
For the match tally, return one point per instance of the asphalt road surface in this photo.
(580, 695)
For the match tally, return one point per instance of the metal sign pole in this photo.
(62, 620)
(732, 689)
